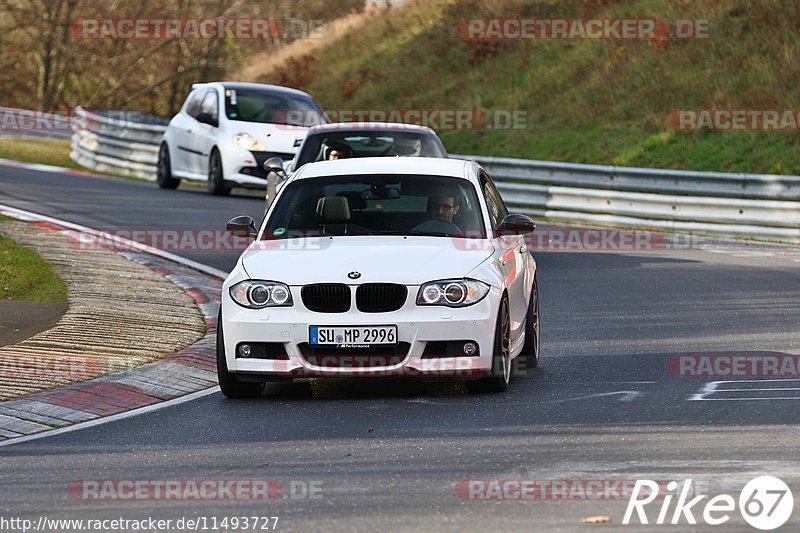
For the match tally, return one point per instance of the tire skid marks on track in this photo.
(761, 389)
(622, 395)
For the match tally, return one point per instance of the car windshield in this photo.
(369, 143)
(272, 107)
(434, 206)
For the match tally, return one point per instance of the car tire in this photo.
(164, 170)
(216, 179)
(500, 374)
(531, 351)
(228, 384)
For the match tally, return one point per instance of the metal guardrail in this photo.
(117, 142)
(756, 206)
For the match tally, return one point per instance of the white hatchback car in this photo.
(225, 132)
(400, 266)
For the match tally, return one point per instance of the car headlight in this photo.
(260, 294)
(452, 292)
(248, 142)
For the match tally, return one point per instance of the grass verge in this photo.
(45, 151)
(24, 275)
(56, 152)
(585, 101)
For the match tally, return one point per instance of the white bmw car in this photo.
(381, 267)
(225, 132)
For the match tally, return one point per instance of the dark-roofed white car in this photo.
(348, 140)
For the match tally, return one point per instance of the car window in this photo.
(494, 202)
(368, 143)
(248, 104)
(377, 205)
(192, 107)
(210, 104)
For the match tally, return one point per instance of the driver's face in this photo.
(443, 208)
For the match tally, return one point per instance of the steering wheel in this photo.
(438, 226)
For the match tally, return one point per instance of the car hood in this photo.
(276, 137)
(408, 261)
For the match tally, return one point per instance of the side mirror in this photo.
(275, 164)
(515, 225)
(242, 225)
(206, 118)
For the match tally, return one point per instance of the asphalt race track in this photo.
(390, 455)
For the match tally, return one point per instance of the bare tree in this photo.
(48, 63)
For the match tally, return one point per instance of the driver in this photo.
(338, 150)
(443, 207)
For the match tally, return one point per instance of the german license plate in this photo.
(351, 335)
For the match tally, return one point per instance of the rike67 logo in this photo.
(765, 503)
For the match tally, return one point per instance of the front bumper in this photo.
(416, 327)
(246, 168)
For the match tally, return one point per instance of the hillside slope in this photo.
(588, 101)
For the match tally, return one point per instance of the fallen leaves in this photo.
(596, 520)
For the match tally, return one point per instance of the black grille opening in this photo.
(263, 350)
(253, 171)
(258, 170)
(372, 357)
(441, 349)
(401, 348)
(326, 297)
(380, 297)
